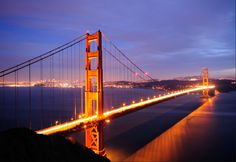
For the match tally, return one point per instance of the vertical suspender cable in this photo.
(53, 87)
(15, 98)
(60, 85)
(111, 75)
(67, 82)
(71, 88)
(74, 80)
(63, 89)
(30, 124)
(104, 75)
(50, 89)
(41, 94)
(2, 97)
(80, 84)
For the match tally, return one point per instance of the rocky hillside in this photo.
(22, 144)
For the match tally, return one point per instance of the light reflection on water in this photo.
(127, 134)
(207, 134)
(169, 145)
(139, 136)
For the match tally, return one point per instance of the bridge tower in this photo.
(205, 82)
(94, 91)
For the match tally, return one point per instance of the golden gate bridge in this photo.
(90, 77)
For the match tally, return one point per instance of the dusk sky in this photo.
(166, 38)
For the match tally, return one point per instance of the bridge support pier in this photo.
(94, 138)
(94, 91)
(204, 74)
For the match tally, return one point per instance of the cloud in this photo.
(155, 34)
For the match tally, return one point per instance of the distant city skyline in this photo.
(168, 39)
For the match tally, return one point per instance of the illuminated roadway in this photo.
(116, 112)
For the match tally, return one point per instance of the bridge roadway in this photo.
(83, 122)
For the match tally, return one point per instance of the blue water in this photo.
(169, 132)
(49, 105)
(163, 132)
(207, 134)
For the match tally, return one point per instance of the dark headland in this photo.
(22, 144)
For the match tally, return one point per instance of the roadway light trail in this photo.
(109, 114)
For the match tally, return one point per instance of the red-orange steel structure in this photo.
(205, 82)
(94, 102)
(94, 91)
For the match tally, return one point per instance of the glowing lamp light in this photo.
(133, 102)
(71, 118)
(141, 99)
(56, 122)
(107, 121)
(123, 104)
(109, 114)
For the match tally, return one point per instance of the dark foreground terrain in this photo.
(22, 144)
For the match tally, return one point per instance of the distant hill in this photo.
(22, 144)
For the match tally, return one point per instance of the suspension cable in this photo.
(30, 62)
(127, 57)
(123, 64)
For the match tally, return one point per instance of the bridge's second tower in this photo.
(204, 75)
(94, 91)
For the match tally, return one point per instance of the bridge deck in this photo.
(116, 112)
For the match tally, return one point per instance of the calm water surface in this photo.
(187, 128)
(49, 105)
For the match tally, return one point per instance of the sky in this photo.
(167, 39)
